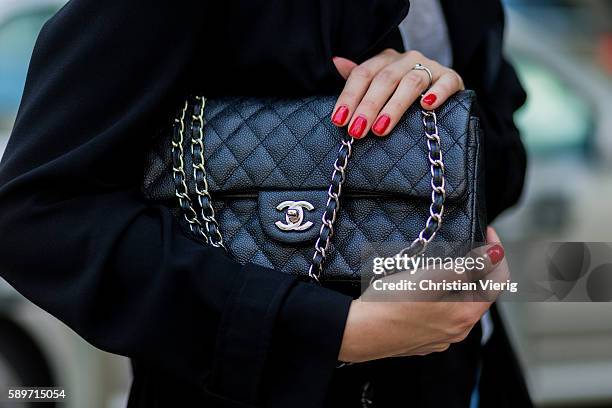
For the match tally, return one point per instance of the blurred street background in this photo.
(563, 52)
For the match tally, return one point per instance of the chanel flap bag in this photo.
(273, 182)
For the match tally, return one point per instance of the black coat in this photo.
(78, 239)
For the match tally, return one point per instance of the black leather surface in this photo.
(261, 152)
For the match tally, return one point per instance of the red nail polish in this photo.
(340, 116)
(358, 127)
(496, 254)
(381, 124)
(430, 99)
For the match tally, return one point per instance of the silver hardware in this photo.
(436, 208)
(421, 67)
(327, 228)
(418, 246)
(203, 224)
(366, 395)
(294, 215)
(207, 212)
(178, 170)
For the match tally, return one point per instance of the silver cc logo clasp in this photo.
(294, 215)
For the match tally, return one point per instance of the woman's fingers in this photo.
(344, 66)
(379, 91)
(446, 82)
(446, 86)
(492, 237)
(410, 88)
(368, 114)
(381, 88)
(357, 85)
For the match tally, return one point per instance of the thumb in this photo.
(344, 66)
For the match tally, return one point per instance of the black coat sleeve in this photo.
(78, 239)
(500, 94)
(505, 155)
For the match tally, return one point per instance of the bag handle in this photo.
(436, 208)
(201, 218)
(201, 222)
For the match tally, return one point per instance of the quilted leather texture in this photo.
(260, 152)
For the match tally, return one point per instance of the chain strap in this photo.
(204, 223)
(436, 208)
(438, 191)
(331, 208)
(204, 201)
(438, 185)
(178, 172)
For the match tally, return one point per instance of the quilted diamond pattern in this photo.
(255, 145)
(279, 144)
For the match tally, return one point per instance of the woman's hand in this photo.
(392, 328)
(379, 91)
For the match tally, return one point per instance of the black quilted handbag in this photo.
(273, 182)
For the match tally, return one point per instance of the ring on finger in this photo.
(421, 67)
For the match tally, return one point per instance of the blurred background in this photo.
(563, 52)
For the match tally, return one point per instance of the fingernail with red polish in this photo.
(358, 127)
(340, 116)
(381, 124)
(496, 254)
(430, 99)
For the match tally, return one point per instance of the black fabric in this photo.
(78, 239)
(476, 33)
(433, 381)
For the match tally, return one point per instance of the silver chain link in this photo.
(178, 171)
(206, 210)
(438, 192)
(333, 205)
(202, 224)
(436, 208)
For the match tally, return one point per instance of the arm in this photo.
(78, 239)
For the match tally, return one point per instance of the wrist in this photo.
(354, 347)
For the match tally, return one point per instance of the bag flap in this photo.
(275, 144)
(290, 144)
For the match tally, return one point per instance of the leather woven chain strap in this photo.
(201, 222)
(200, 215)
